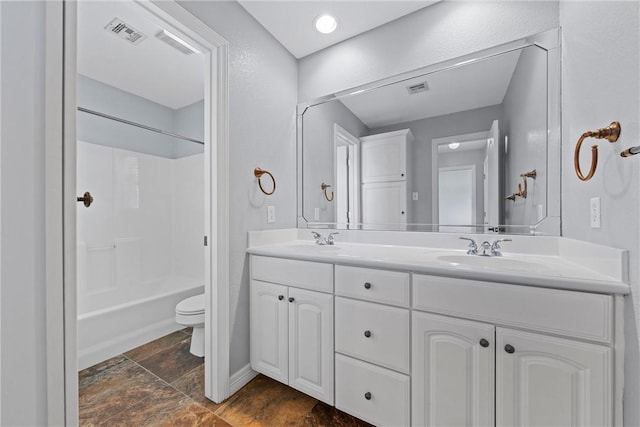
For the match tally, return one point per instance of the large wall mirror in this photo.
(471, 145)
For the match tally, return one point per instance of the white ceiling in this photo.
(463, 88)
(152, 69)
(291, 22)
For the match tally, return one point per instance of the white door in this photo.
(452, 371)
(311, 343)
(457, 198)
(384, 203)
(547, 381)
(492, 177)
(384, 159)
(269, 336)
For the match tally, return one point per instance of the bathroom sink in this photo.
(496, 262)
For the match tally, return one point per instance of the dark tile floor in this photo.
(162, 384)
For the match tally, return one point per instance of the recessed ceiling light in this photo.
(454, 145)
(325, 24)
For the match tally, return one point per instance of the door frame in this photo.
(342, 137)
(60, 203)
(435, 142)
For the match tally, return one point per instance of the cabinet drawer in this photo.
(302, 274)
(390, 287)
(373, 332)
(387, 392)
(578, 314)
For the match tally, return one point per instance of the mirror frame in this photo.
(547, 40)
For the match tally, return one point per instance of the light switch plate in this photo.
(271, 214)
(595, 212)
(415, 195)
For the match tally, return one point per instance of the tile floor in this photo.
(162, 384)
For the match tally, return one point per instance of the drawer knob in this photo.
(509, 348)
(367, 334)
(280, 297)
(484, 343)
(367, 396)
(291, 299)
(367, 285)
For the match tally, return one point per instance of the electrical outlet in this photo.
(595, 212)
(415, 195)
(271, 214)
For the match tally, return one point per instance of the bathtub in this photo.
(111, 323)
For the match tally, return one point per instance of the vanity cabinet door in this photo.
(544, 381)
(269, 330)
(452, 371)
(311, 343)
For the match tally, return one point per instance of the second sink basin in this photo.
(496, 262)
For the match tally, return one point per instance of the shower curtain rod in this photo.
(118, 119)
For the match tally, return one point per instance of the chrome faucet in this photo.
(488, 249)
(495, 247)
(473, 248)
(320, 240)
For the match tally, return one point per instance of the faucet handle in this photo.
(473, 247)
(495, 247)
(315, 235)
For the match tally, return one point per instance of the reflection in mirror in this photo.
(437, 151)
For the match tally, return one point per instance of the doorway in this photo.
(62, 22)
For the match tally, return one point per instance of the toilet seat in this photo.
(191, 306)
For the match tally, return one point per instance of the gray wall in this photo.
(593, 94)
(22, 266)
(318, 154)
(262, 84)
(477, 120)
(439, 32)
(94, 95)
(524, 113)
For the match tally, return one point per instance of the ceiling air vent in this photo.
(125, 31)
(417, 88)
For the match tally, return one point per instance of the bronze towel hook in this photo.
(610, 133)
(258, 174)
(324, 190)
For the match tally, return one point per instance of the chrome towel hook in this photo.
(258, 174)
(611, 133)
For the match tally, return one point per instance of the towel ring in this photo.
(610, 133)
(324, 190)
(258, 174)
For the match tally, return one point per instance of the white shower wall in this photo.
(146, 222)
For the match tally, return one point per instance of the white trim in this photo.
(618, 361)
(54, 237)
(241, 378)
(342, 137)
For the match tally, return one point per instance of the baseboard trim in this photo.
(241, 378)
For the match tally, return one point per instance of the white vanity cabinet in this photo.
(372, 344)
(292, 328)
(539, 379)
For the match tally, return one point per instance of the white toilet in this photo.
(190, 312)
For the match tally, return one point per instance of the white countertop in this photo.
(550, 271)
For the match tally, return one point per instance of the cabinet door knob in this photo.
(280, 297)
(367, 396)
(509, 348)
(402, 212)
(367, 285)
(484, 343)
(401, 174)
(367, 334)
(291, 299)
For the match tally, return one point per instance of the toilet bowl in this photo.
(190, 312)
